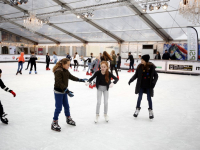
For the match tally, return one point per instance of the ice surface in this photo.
(176, 108)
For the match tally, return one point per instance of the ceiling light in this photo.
(157, 6)
(165, 6)
(144, 8)
(86, 15)
(78, 16)
(151, 7)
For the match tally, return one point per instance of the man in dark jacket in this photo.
(47, 61)
(118, 62)
(166, 55)
(131, 62)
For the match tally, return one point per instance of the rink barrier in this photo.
(166, 66)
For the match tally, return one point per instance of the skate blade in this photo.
(55, 130)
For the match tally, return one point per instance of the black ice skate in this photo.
(136, 112)
(70, 121)
(151, 116)
(17, 73)
(20, 72)
(4, 119)
(55, 126)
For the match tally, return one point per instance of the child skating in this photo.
(33, 59)
(20, 63)
(147, 77)
(103, 82)
(62, 75)
(2, 113)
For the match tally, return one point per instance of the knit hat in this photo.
(146, 58)
(0, 71)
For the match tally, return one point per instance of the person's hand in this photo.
(13, 93)
(83, 80)
(111, 85)
(70, 93)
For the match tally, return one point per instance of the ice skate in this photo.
(87, 73)
(30, 72)
(70, 121)
(20, 72)
(49, 69)
(136, 112)
(96, 118)
(118, 77)
(17, 73)
(77, 70)
(90, 73)
(91, 86)
(26, 69)
(55, 126)
(35, 72)
(129, 70)
(106, 117)
(133, 70)
(151, 116)
(4, 119)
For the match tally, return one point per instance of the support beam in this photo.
(152, 25)
(34, 42)
(119, 40)
(50, 24)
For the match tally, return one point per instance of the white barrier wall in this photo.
(187, 67)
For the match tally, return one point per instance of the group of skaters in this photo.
(145, 74)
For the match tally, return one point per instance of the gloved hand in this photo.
(86, 83)
(111, 85)
(115, 66)
(129, 82)
(13, 93)
(70, 93)
(83, 80)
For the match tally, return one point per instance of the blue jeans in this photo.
(55, 61)
(148, 98)
(20, 65)
(61, 100)
(89, 67)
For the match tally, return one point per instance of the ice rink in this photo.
(176, 106)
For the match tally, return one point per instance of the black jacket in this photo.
(166, 56)
(33, 59)
(159, 57)
(97, 76)
(119, 60)
(173, 57)
(138, 76)
(89, 59)
(131, 58)
(4, 87)
(47, 59)
(69, 57)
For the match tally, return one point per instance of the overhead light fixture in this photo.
(78, 16)
(86, 15)
(151, 7)
(16, 2)
(165, 6)
(157, 7)
(144, 8)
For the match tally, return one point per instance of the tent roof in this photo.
(111, 22)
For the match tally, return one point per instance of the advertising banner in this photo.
(192, 44)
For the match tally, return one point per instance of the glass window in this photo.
(51, 49)
(64, 50)
(4, 50)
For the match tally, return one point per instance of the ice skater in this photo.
(76, 59)
(20, 63)
(103, 82)
(118, 62)
(33, 59)
(89, 64)
(95, 67)
(70, 58)
(47, 61)
(62, 75)
(113, 64)
(55, 57)
(28, 64)
(2, 113)
(131, 62)
(147, 77)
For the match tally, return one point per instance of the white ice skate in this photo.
(106, 117)
(151, 115)
(96, 118)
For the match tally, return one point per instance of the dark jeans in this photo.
(28, 64)
(47, 66)
(33, 64)
(111, 68)
(118, 65)
(75, 64)
(20, 64)
(148, 98)
(61, 100)
(131, 65)
(1, 109)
